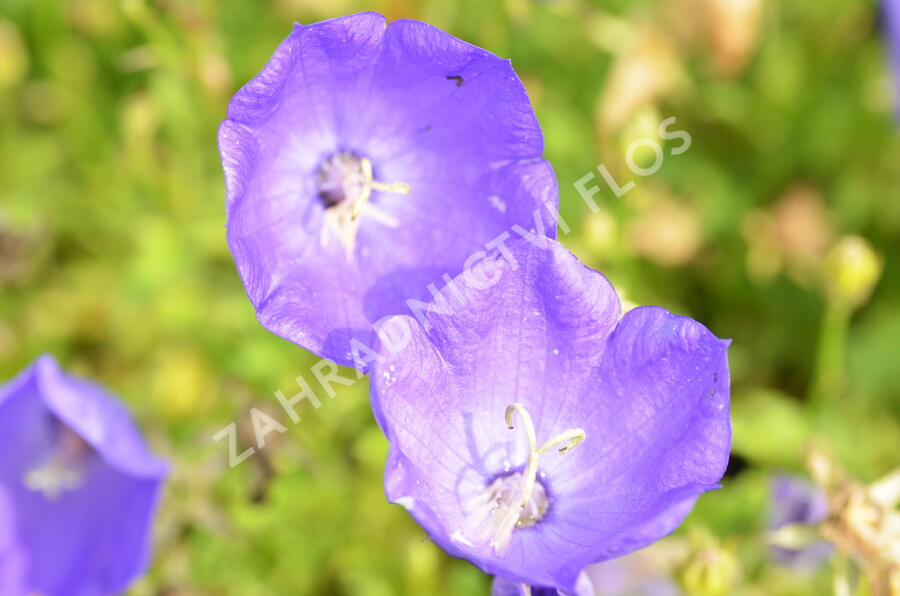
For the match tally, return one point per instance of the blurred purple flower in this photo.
(368, 161)
(505, 587)
(795, 501)
(892, 23)
(478, 408)
(646, 572)
(79, 483)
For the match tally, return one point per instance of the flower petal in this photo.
(657, 412)
(12, 557)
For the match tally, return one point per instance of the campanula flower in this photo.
(796, 502)
(535, 431)
(367, 162)
(79, 483)
(646, 572)
(892, 26)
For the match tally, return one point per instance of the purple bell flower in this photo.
(892, 28)
(625, 577)
(647, 572)
(796, 501)
(78, 487)
(364, 165)
(533, 431)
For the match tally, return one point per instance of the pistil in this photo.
(571, 438)
(516, 500)
(368, 185)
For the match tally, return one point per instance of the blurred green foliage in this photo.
(112, 253)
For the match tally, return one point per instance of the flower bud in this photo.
(13, 56)
(852, 268)
(712, 572)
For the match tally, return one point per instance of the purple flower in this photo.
(367, 162)
(533, 432)
(795, 501)
(892, 24)
(646, 572)
(79, 482)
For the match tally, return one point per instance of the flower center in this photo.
(517, 500)
(64, 470)
(345, 183)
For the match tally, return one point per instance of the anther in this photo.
(571, 438)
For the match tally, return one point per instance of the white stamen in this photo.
(52, 480)
(64, 470)
(382, 217)
(345, 185)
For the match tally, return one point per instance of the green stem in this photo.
(830, 378)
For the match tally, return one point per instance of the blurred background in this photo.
(779, 227)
